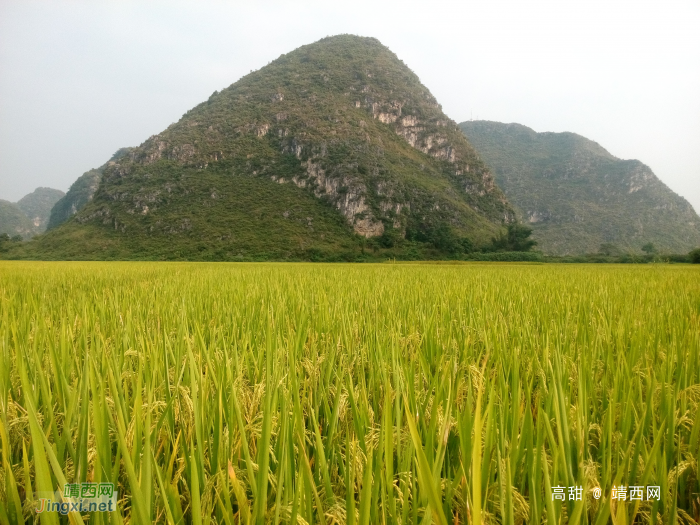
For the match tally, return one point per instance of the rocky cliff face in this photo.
(343, 120)
(577, 196)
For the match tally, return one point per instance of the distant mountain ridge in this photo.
(30, 215)
(38, 204)
(13, 221)
(577, 196)
(333, 148)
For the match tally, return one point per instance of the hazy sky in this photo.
(80, 79)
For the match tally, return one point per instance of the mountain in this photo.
(37, 206)
(29, 215)
(13, 221)
(81, 192)
(330, 150)
(576, 196)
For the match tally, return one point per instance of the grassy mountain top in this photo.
(336, 144)
(577, 196)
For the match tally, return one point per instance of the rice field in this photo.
(382, 394)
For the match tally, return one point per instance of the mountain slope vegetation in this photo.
(333, 148)
(80, 192)
(578, 198)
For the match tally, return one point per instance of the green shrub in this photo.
(694, 256)
(649, 248)
(514, 239)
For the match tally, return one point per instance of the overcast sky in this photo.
(80, 79)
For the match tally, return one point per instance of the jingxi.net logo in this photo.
(79, 497)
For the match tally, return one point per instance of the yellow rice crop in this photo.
(409, 393)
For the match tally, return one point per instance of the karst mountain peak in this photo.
(334, 142)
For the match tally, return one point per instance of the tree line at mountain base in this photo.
(438, 243)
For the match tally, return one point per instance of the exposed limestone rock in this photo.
(537, 216)
(387, 118)
(182, 152)
(639, 179)
(368, 228)
(409, 120)
(351, 203)
(347, 195)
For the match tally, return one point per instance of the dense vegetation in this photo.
(516, 238)
(694, 256)
(342, 121)
(220, 217)
(577, 196)
(351, 394)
